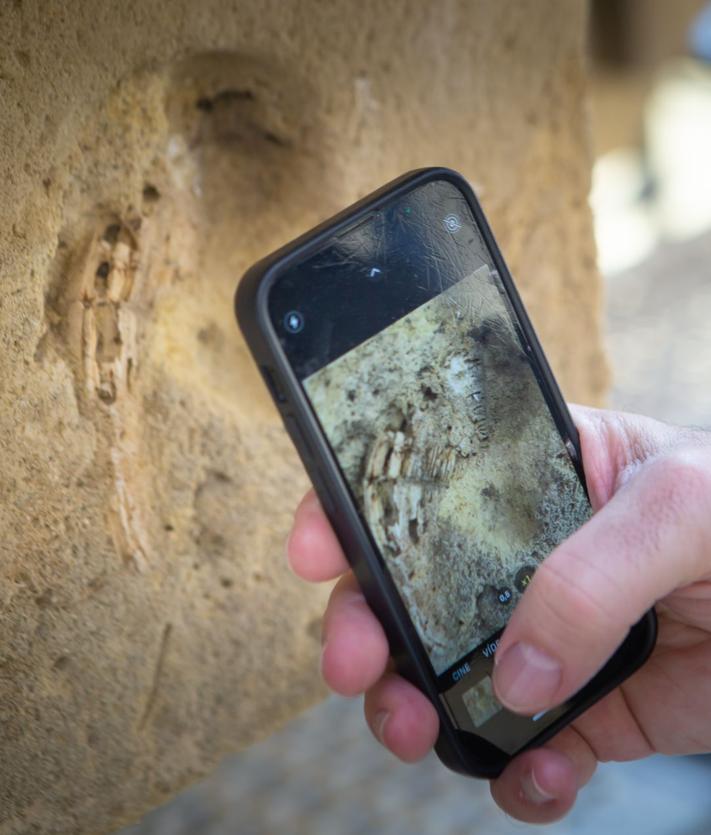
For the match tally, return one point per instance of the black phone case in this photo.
(315, 453)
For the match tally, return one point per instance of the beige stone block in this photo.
(149, 152)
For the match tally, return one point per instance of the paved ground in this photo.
(323, 775)
(659, 333)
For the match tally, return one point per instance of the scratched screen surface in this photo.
(442, 432)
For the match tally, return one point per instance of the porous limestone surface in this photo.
(149, 152)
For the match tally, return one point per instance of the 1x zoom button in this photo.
(273, 384)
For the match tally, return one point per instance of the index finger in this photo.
(312, 549)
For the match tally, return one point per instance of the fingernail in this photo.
(379, 721)
(532, 790)
(525, 678)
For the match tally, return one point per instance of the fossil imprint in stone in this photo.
(95, 316)
(100, 318)
(139, 294)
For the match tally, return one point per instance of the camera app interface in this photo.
(418, 376)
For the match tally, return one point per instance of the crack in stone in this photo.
(157, 675)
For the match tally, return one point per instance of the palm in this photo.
(664, 707)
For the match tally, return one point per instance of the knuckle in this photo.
(575, 598)
(680, 478)
(678, 496)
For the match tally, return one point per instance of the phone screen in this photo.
(408, 349)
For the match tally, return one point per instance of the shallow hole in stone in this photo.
(150, 193)
(45, 599)
(112, 232)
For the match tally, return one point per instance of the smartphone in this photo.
(411, 382)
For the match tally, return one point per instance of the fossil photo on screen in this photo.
(443, 434)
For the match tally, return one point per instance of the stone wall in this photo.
(149, 151)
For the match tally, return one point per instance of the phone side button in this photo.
(273, 384)
(297, 436)
(308, 459)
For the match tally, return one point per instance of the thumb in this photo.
(649, 539)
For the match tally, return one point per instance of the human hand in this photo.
(649, 543)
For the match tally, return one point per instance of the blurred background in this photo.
(650, 92)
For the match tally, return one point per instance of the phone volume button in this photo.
(273, 384)
(297, 436)
(309, 459)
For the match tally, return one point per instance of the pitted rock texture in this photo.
(149, 152)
